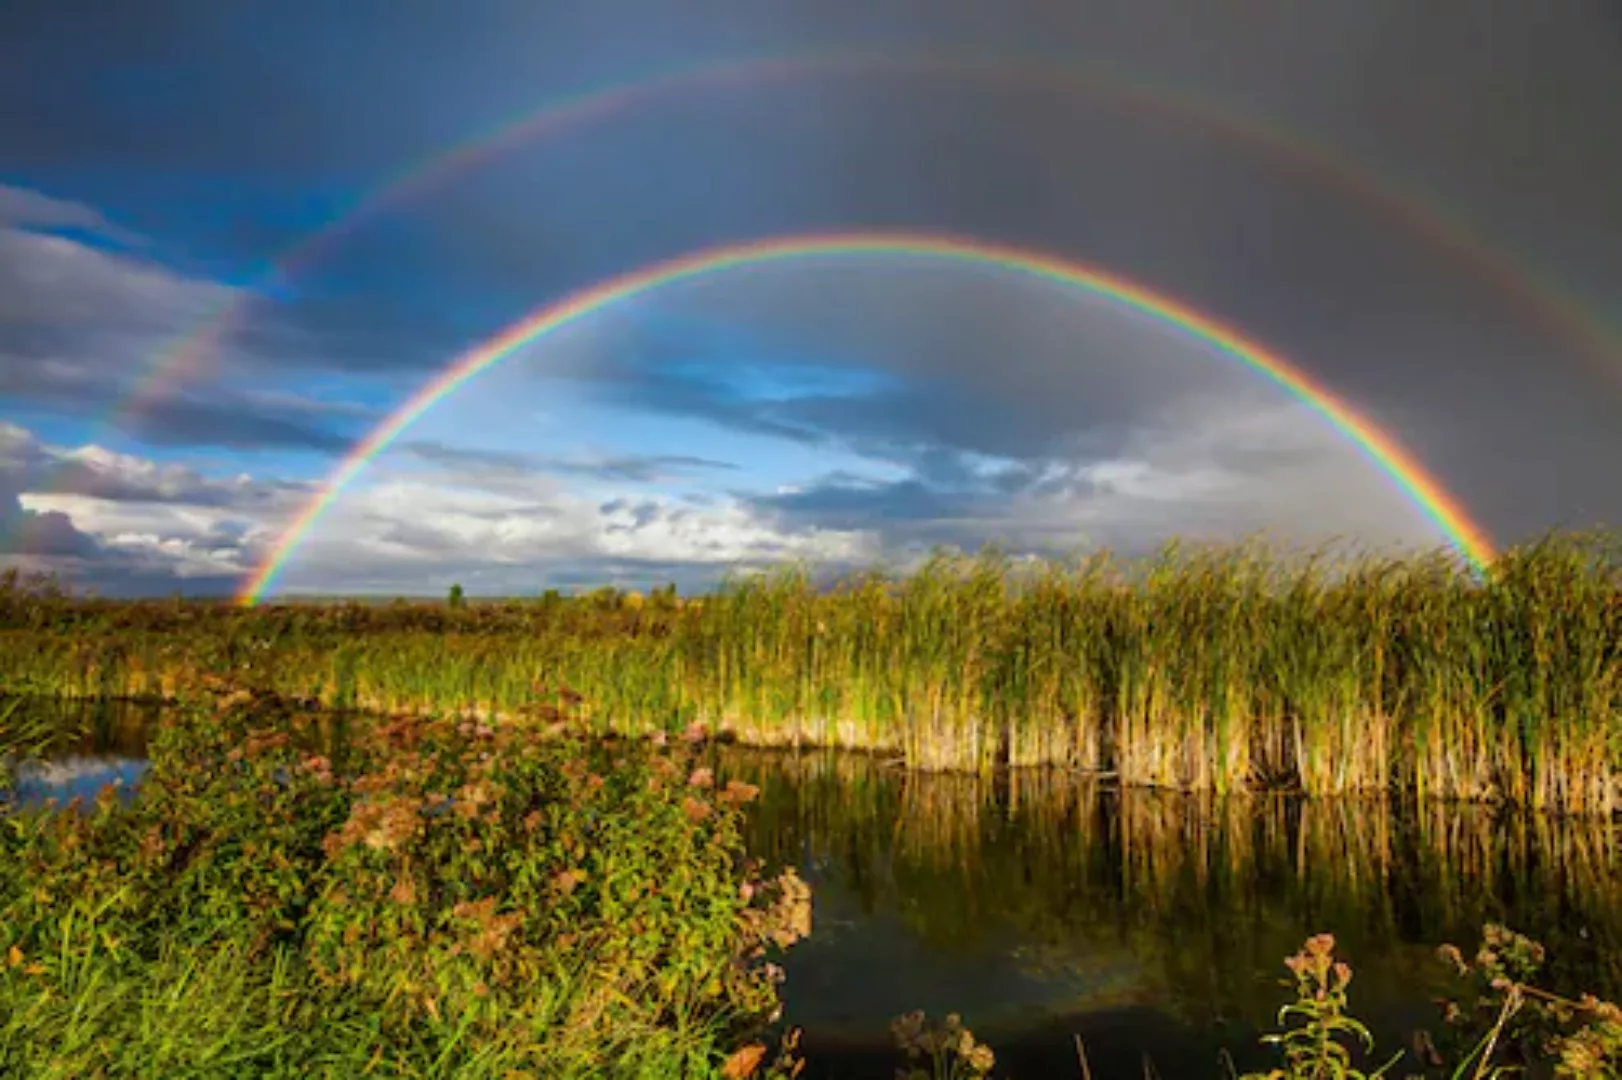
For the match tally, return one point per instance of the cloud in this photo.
(1220, 472)
(120, 523)
(506, 465)
(983, 407)
(81, 328)
(1084, 431)
(123, 524)
(24, 208)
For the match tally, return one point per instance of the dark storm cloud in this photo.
(923, 370)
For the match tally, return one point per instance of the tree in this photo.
(455, 599)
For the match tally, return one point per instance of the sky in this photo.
(213, 285)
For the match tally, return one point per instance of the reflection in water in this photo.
(1037, 904)
(100, 744)
(1040, 904)
(64, 780)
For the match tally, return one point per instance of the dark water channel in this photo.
(1042, 907)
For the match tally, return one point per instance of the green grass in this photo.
(1205, 668)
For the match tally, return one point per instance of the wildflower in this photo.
(701, 778)
(695, 809)
(743, 1063)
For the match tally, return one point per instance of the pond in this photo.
(1042, 906)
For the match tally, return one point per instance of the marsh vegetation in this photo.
(1219, 669)
(507, 839)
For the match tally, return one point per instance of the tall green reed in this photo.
(1202, 668)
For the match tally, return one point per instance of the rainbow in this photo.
(1293, 152)
(1381, 448)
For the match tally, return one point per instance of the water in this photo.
(1041, 907)
(106, 749)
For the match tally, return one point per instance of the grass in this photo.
(1217, 669)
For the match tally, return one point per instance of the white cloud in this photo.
(394, 533)
(25, 208)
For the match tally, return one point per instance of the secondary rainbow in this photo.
(1448, 233)
(1381, 448)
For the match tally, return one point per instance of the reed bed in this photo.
(1220, 669)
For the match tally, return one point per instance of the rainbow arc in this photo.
(1377, 445)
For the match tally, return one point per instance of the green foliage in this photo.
(404, 897)
(454, 599)
(1510, 1023)
(1509, 1027)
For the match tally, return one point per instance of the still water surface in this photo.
(1040, 906)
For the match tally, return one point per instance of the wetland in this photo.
(1090, 802)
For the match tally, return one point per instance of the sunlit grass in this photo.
(1204, 668)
